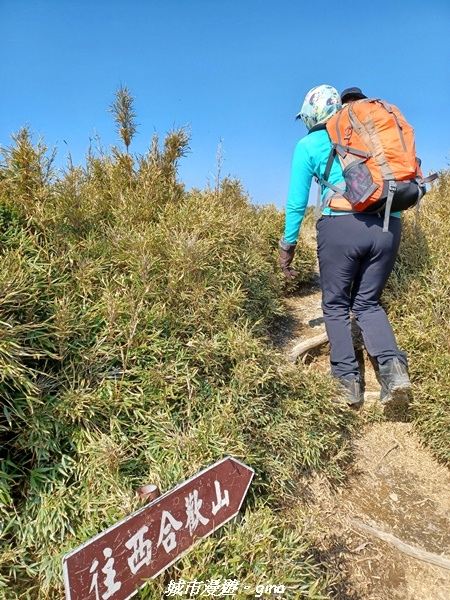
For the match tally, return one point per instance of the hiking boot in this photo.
(395, 383)
(350, 389)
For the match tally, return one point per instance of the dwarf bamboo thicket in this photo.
(417, 297)
(134, 348)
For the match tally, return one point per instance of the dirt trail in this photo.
(394, 486)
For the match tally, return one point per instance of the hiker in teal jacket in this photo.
(355, 259)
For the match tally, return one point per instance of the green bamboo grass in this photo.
(417, 300)
(135, 321)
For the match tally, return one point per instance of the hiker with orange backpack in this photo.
(359, 230)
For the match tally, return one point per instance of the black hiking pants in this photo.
(356, 258)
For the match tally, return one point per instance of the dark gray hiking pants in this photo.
(355, 260)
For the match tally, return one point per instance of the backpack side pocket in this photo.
(359, 182)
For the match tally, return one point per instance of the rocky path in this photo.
(395, 487)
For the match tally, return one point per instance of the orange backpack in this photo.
(376, 148)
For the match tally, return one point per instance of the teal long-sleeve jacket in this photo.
(310, 158)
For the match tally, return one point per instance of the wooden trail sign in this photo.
(116, 562)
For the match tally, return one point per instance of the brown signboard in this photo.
(116, 562)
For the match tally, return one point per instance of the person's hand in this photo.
(287, 252)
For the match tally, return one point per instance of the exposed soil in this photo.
(394, 485)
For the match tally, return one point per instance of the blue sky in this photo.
(234, 72)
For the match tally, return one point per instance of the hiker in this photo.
(355, 256)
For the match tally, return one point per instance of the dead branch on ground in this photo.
(429, 557)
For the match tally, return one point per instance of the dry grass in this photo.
(396, 486)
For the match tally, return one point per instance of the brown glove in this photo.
(287, 252)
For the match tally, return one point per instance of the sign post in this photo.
(116, 562)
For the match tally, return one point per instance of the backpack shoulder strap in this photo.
(323, 181)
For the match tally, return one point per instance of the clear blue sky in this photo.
(232, 70)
